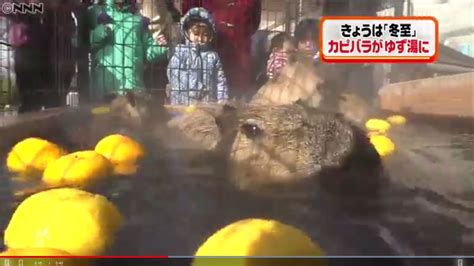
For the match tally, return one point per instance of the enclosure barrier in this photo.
(444, 95)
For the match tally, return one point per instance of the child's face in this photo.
(287, 46)
(308, 46)
(199, 33)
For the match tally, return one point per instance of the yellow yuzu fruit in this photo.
(378, 125)
(396, 120)
(382, 144)
(100, 110)
(190, 108)
(76, 221)
(256, 237)
(80, 168)
(122, 151)
(31, 156)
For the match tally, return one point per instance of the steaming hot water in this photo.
(172, 205)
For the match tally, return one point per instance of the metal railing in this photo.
(74, 67)
(68, 68)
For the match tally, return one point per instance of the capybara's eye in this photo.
(251, 130)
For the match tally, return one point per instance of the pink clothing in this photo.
(275, 63)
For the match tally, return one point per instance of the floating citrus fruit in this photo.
(377, 125)
(124, 153)
(190, 109)
(80, 168)
(31, 156)
(78, 222)
(382, 144)
(100, 110)
(396, 120)
(256, 237)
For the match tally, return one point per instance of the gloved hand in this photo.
(160, 38)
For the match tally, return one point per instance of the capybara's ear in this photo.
(307, 106)
(228, 108)
(109, 98)
(300, 103)
(131, 98)
(117, 103)
(227, 119)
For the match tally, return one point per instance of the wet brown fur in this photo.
(267, 145)
(294, 142)
(203, 127)
(199, 127)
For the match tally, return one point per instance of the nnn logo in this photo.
(22, 8)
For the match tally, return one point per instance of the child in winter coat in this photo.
(307, 38)
(282, 49)
(29, 37)
(236, 22)
(195, 70)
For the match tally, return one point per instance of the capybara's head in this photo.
(281, 144)
(198, 128)
(133, 108)
(354, 108)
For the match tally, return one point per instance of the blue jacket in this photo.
(195, 72)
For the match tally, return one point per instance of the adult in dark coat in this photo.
(28, 35)
(236, 22)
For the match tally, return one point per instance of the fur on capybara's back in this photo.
(199, 128)
(136, 109)
(202, 126)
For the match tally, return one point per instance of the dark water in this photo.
(171, 207)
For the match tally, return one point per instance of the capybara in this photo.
(291, 143)
(271, 145)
